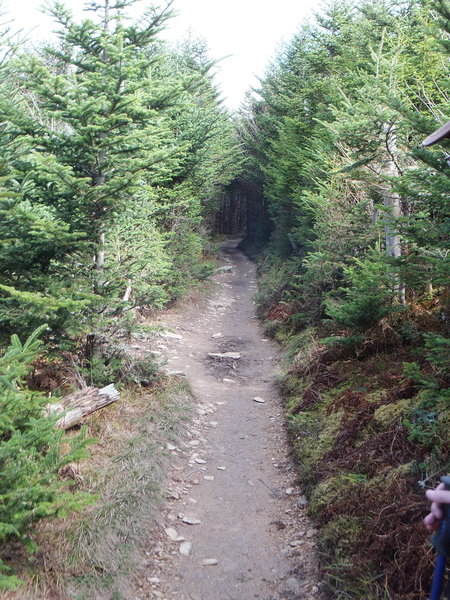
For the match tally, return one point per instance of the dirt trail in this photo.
(232, 474)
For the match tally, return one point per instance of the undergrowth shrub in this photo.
(188, 262)
(273, 282)
(114, 364)
(63, 308)
(32, 452)
(428, 424)
(136, 256)
(368, 297)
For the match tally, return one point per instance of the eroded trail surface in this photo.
(235, 527)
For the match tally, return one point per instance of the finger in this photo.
(431, 523)
(439, 495)
(436, 510)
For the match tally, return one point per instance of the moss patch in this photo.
(391, 413)
(313, 436)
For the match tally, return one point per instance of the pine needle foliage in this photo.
(114, 152)
(32, 451)
(357, 261)
(368, 297)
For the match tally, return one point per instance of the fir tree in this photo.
(109, 108)
(32, 452)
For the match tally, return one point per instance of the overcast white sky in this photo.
(247, 31)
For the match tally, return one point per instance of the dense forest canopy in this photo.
(107, 136)
(118, 161)
(355, 275)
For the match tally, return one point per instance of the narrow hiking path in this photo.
(232, 499)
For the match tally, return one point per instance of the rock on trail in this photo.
(240, 483)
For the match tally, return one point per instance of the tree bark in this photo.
(106, 19)
(99, 180)
(100, 261)
(127, 294)
(392, 202)
(75, 407)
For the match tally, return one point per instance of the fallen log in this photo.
(75, 407)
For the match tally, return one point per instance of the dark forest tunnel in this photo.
(243, 212)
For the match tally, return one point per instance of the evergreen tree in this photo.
(106, 125)
(338, 157)
(109, 112)
(32, 452)
(36, 245)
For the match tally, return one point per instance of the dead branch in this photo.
(75, 407)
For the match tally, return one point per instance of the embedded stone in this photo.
(220, 355)
(185, 548)
(210, 562)
(171, 533)
(258, 400)
(191, 521)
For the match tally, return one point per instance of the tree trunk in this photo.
(99, 180)
(107, 17)
(392, 203)
(100, 261)
(81, 403)
(127, 294)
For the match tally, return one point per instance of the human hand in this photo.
(438, 497)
